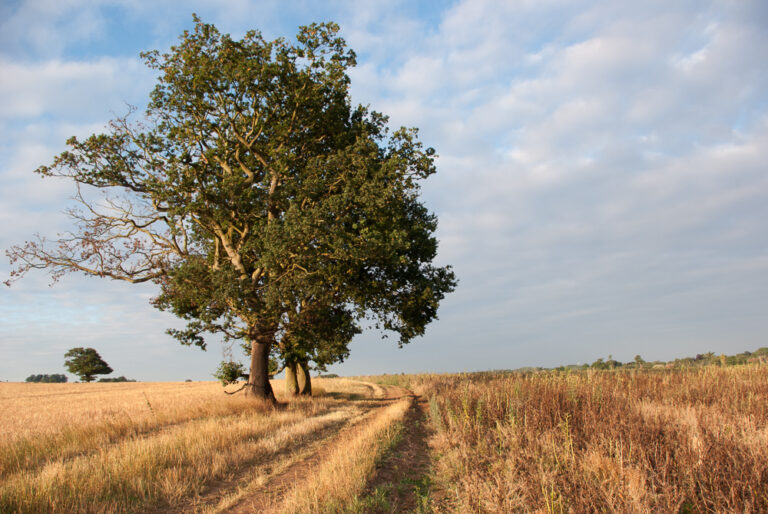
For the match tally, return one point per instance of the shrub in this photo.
(48, 379)
(229, 372)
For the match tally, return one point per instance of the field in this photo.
(623, 441)
(137, 447)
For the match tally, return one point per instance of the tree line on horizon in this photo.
(702, 359)
(56, 378)
(230, 372)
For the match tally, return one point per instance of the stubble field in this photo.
(627, 441)
(181, 447)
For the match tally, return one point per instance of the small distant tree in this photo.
(611, 363)
(86, 363)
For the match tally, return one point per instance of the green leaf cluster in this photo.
(229, 372)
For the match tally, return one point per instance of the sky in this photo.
(602, 186)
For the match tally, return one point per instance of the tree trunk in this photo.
(291, 384)
(303, 378)
(258, 381)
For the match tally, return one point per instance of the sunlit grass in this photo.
(620, 441)
(337, 484)
(127, 447)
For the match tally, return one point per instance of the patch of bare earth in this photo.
(403, 475)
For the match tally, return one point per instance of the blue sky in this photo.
(602, 184)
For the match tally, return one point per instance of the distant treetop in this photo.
(86, 363)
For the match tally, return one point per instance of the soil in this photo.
(404, 472)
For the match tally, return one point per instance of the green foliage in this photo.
(229, 372)
(48, 379)
(375, 501)
(85, 363)
(117, 379)
(263, 203)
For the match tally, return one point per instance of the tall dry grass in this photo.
(676, 441)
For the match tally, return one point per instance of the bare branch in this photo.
(234, 256)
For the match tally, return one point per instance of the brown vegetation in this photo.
(637, 440)
(672, 441)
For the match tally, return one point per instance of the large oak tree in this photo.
(264, 205)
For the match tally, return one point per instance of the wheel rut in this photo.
(261, 467)
(267, 497)
(403, 475)
(266, 491)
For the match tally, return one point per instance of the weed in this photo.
(620, 441)
(376, 501)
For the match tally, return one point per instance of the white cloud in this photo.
(47, 26)
(72, 89)
(594, 118)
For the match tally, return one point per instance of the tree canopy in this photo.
(86, 363)
(265, 206)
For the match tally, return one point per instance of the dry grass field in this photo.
(616, 441)
(165, 447)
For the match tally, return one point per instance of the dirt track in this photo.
(403, 474)
(400, 473)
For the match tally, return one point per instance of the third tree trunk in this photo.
(303, 378)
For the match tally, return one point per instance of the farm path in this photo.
(271, 482)
(261, 470)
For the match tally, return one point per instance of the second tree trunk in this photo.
(297, 378)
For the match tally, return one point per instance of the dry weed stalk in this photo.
(691, 440)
